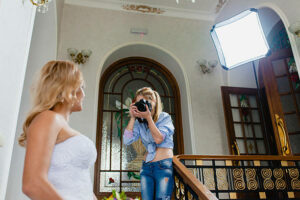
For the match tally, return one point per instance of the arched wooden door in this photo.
(117, 167)
(280, 78)
(282, 89)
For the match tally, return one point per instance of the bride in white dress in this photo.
(58, 158)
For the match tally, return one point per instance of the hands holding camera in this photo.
(140, 110)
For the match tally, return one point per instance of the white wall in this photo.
(103, 31)
(59, 14)
(43, 48)
(268, 19)
(16, 22)
(288, 13)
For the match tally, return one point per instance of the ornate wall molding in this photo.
(207, 15)
(143, 9)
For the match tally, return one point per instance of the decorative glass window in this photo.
(243, 116)
(118, 165)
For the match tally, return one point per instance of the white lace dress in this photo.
(69, 170)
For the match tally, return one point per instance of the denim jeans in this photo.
(157, 180)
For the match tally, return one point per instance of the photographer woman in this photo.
(156, 134)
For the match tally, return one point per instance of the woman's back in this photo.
(69, 170)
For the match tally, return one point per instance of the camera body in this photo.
(141, 106)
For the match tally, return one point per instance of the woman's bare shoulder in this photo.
(46, 119)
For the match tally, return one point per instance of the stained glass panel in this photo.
(120, 164)
(252, 101)
(233, 100)
(238, 130)
(105, 147)
(116, 143)
(111, 102)
(120, 82)
(113, 78)
(109, 181)
(283, 84)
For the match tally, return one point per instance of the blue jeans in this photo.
(157, 180)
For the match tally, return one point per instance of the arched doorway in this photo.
(118, 165)
(280, 84)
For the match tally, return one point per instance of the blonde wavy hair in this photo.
(56, 83)
(151, 95)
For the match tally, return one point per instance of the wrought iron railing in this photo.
(237, 177)
(187, 186)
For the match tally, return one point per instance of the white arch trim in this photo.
(286, 23)
(187, 86)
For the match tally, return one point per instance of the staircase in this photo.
(249, 177)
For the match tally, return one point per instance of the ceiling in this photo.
(200, 9)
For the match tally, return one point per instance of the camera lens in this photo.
(142, 108)
(141, 105)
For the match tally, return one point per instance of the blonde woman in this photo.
(156, 134)
(58, 157)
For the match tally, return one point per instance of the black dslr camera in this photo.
(141, 106)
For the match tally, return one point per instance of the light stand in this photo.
(261, 105)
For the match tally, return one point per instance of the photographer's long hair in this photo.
(56, 83)
(151, 95)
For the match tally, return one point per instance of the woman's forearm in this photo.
(41, 189)
(130, 124)
(156, 134)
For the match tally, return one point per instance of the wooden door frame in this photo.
(275, 106)
(226, 90)
(177, 108)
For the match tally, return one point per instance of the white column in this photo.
(16, 22)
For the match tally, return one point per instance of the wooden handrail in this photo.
(243, 157)
(200, 189)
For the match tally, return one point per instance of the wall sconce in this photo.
(295, 28)
(207, 67)
(81, 57)
(42, 5)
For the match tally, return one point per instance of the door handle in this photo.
(282, 135)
